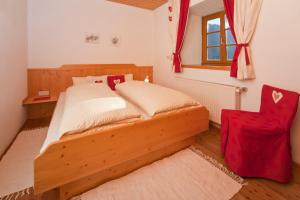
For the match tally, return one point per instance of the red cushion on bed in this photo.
(112, 81)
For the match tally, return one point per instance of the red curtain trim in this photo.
(183, 18)
(229, 9)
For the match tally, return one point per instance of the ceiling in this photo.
(146, 4)
(206, 7)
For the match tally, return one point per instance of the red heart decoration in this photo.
(277, 96)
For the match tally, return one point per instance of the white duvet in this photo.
(86, 107)
(154, 99)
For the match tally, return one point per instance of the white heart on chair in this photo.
(277, 96)
(117, 81)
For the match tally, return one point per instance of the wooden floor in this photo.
(209, 142)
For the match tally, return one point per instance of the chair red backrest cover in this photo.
(276, 102)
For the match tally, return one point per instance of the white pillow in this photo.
(128, 77)
(92, 79)
(154, 99)
(80, 80)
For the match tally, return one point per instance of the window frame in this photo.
(223, 51)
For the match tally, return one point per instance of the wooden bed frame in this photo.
(80, 162)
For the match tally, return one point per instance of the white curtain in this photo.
(246, 14)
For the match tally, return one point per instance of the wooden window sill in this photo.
(211, 67)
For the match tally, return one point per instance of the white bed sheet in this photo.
(53, 131)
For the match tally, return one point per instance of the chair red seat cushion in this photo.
(262, 124)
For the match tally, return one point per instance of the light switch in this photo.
(43, 93)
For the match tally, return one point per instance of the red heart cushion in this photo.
(112, 81)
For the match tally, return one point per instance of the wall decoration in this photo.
(173, 16)
(92, 38)
(115, 41)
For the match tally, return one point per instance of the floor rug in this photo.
(188, 175)
(16, 167)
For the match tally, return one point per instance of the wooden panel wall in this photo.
(146, 4)
(56, 80)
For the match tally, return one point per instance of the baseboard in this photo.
(11, 143)
(214, 124)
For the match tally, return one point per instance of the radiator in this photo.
(213, 96)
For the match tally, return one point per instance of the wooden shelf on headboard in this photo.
(40, 108)
(31, 100)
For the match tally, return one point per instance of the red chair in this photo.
(258, 144)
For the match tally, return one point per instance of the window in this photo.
(218, 45)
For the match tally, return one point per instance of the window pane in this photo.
(213, 25)
(229, 37)
(213, 53)
(226, 23)
(213, 39)
(230, 52)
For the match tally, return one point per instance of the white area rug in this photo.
(16, 167)
(187, 175)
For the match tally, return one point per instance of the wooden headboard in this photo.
(57, 80)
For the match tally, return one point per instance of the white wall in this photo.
(13, 64)
(275, 48)
(56, 31)
(192, 47)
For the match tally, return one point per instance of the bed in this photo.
(85, 158)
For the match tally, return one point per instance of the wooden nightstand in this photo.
(40, 108)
